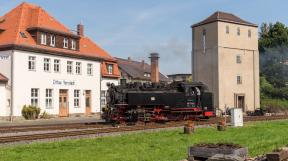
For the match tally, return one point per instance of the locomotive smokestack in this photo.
(154, 67)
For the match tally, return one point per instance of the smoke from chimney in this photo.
(154, 67)
(80, 30)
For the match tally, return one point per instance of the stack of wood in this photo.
(217, 152)
(278, 155)
(189, 128)
(221, 126)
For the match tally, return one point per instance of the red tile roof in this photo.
(3, 78)
(26, 16)
(224, 17)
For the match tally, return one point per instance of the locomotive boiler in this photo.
(132, 102)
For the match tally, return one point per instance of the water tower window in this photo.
(238, 31)
(249, 33)
(227, 29)
(204, 40)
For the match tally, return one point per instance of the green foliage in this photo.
(273, 35)
(274, 105)
(273, 47)
(45, 115)
(165, 145)
(30, 112)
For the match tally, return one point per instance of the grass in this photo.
(169, 145)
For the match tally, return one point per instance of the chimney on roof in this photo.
(80, 30)
(143, 64)
(154, 67)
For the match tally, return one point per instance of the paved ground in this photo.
(66, 120)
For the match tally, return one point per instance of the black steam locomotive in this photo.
(134, 102)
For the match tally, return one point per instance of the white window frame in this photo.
(239, 79)
(90, 69)
(65, 43)
(43, 39)
(57, 67)
(103, 98)
(69, 67)
(34, 97)
(238, 59)
(76, 98)
(73, 44)
(52, 40)
(78, 68)
(49, 98)
(110, 68)
(47, 64)
(32, 63)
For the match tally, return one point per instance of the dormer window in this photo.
(147, 75)
(43, 39)
(110, 68)
(52, 40)
(73, 44)
(65, 43)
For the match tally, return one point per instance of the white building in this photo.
(46, 65)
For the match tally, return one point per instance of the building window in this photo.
(31, 63)
(65, 43)
(52, 40)
(46, 64)
(238, 31)
(110, 68)
(147, 75)
(227, 29)
(89, 69)
(78, 68)
(238, 59)
(249, 33)
(43, 38)
(103, 99)
(57, 65)
(204, 40)
(73, 44)
(69, 67)
(34, 97)
(239, 79)
(76, 98)
(49, 98)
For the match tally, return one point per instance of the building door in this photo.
(63, 103)
(88, 102)
(240, 101)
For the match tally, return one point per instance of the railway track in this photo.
(79, 129)
(99, 131)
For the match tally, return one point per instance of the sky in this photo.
(135, 28)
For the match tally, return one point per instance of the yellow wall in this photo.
(217, 67)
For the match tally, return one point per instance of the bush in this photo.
(45, 115)
(275, 105)
(30, 112)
